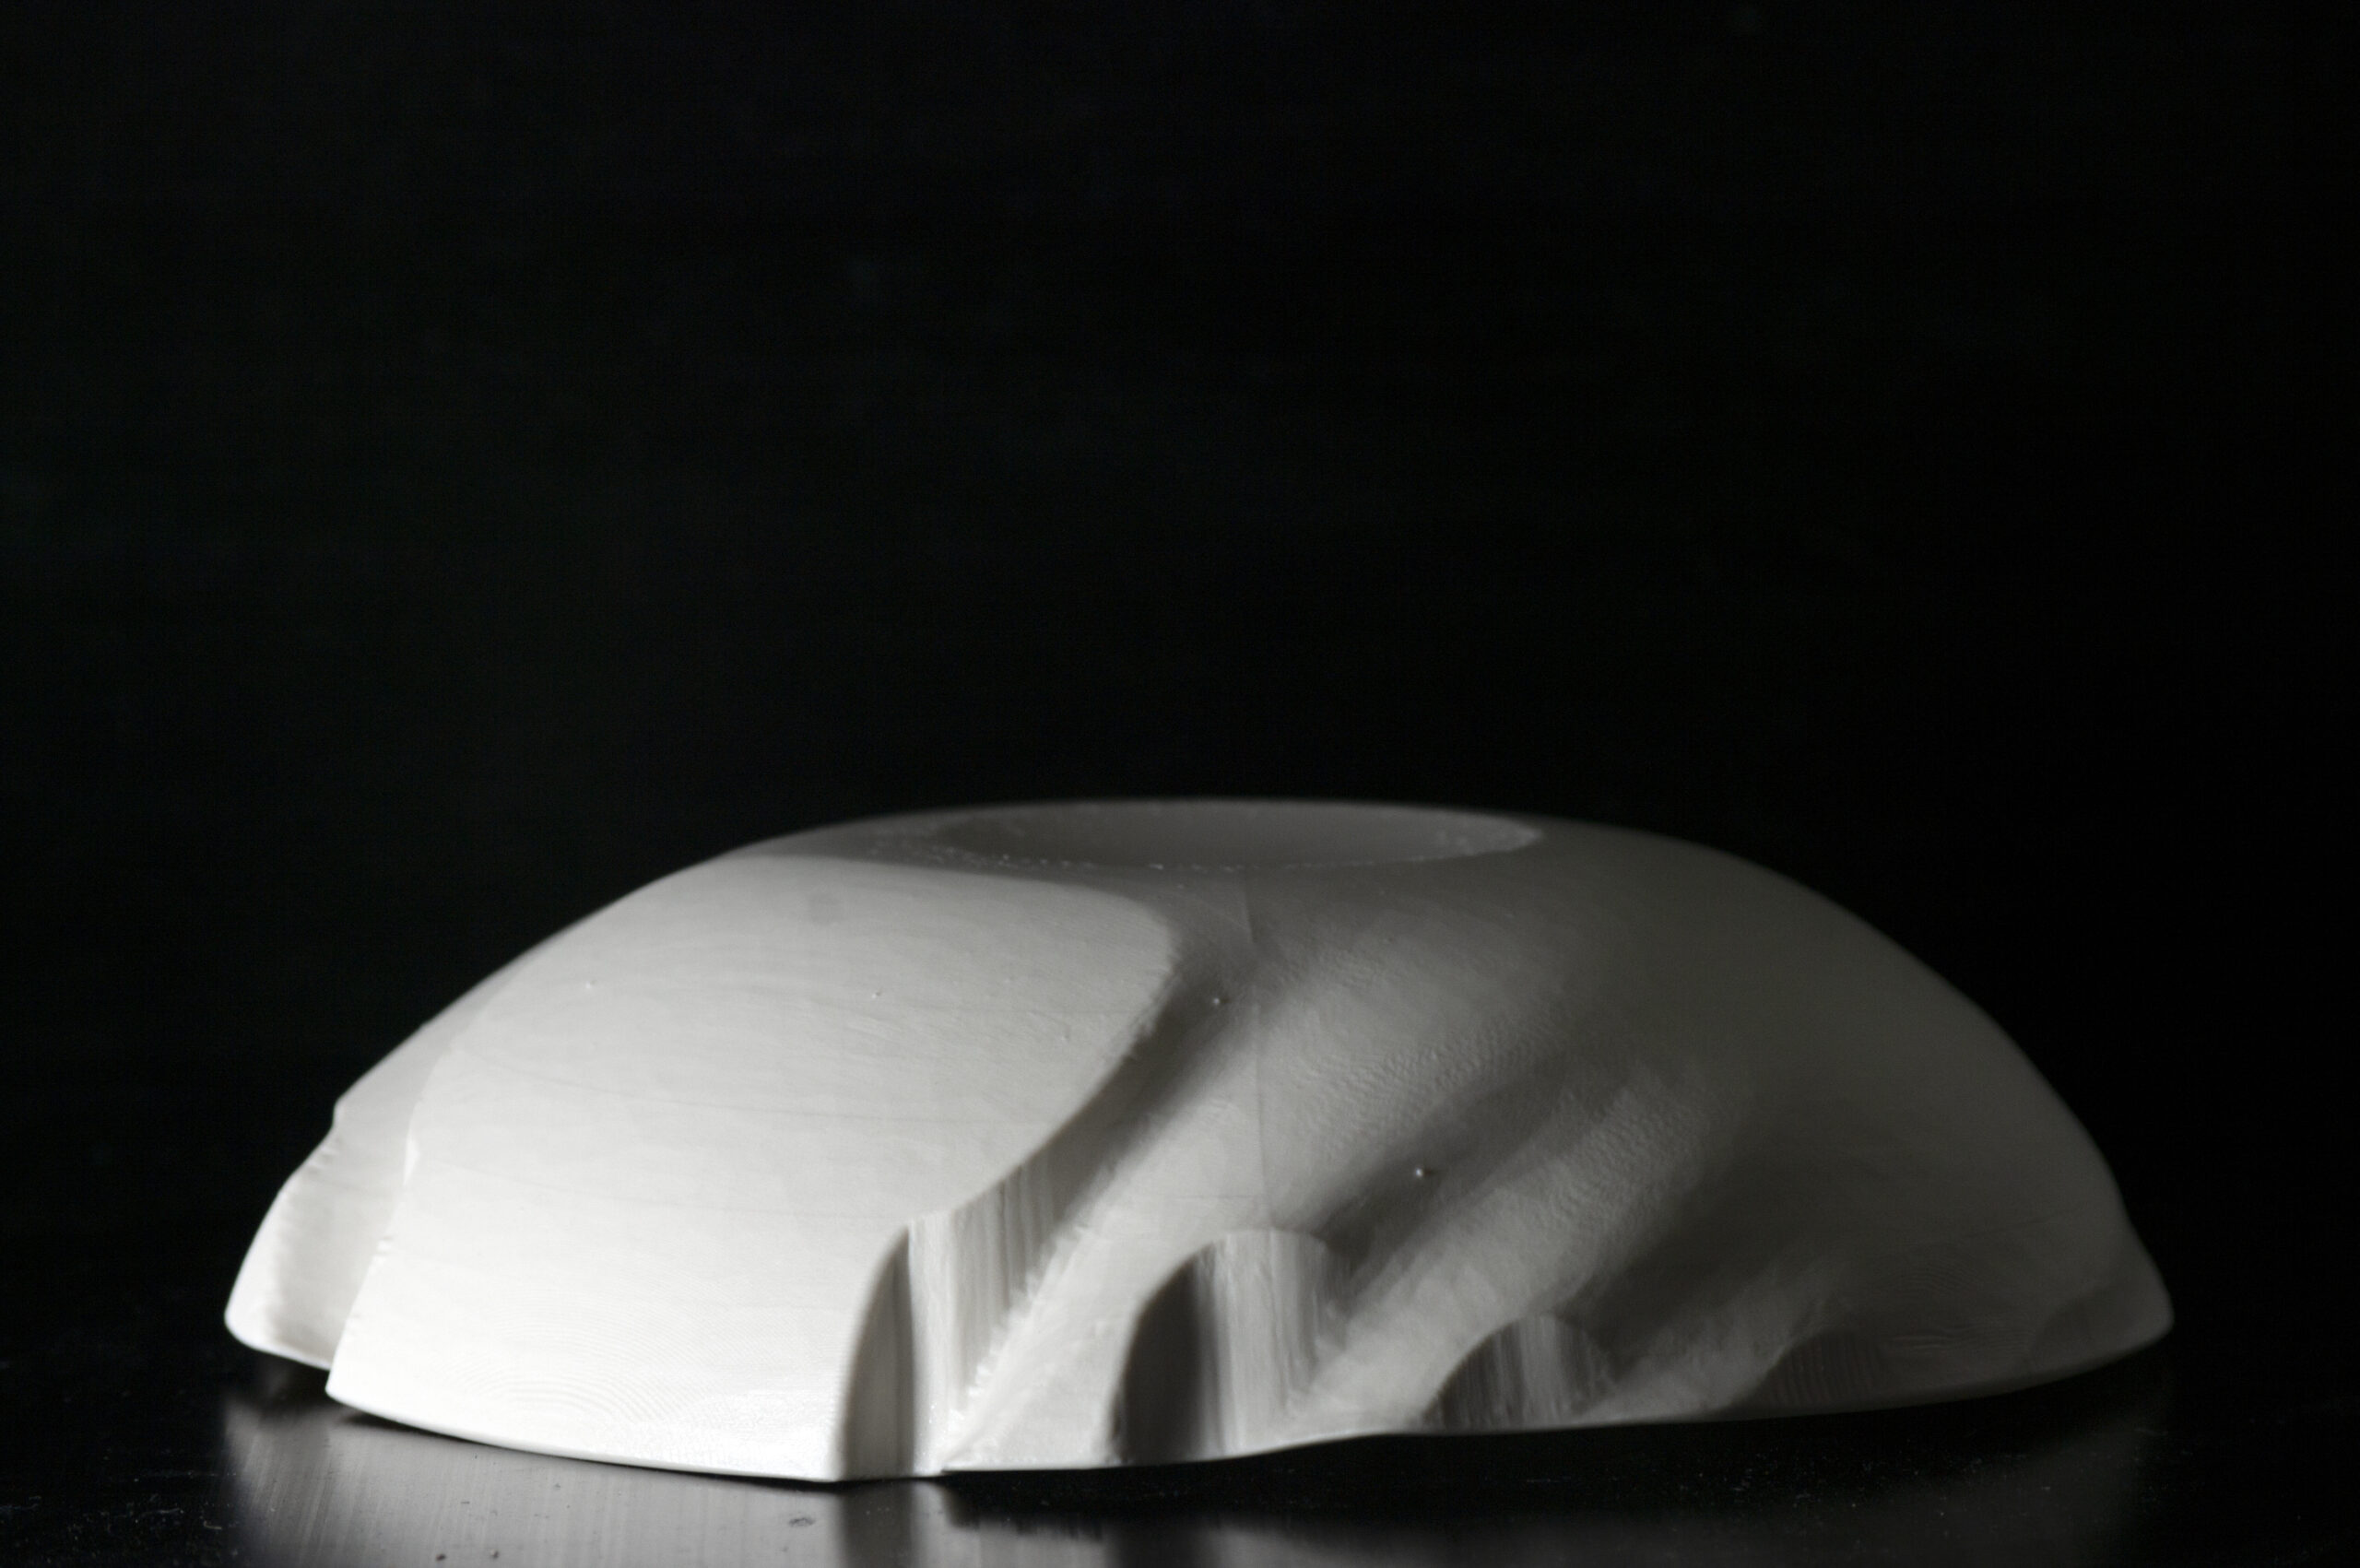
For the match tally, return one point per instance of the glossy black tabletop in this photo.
(135, 1431)
(461, 462)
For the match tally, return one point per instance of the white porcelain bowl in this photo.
(1083, 1135)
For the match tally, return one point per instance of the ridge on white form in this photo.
(1091, 1134)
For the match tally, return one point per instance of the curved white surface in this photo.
(1068, 1136)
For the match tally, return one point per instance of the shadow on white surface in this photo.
(1998, 1482)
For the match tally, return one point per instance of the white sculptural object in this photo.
(1083, 1135)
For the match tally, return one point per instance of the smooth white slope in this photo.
(1075, 1136)
(305, 1264)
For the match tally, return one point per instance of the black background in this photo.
(458, 461)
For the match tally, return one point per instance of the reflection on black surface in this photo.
(2039, 1478)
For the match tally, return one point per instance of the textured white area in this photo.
(1087, 1135)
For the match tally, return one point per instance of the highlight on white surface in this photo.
(1094, 1133)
